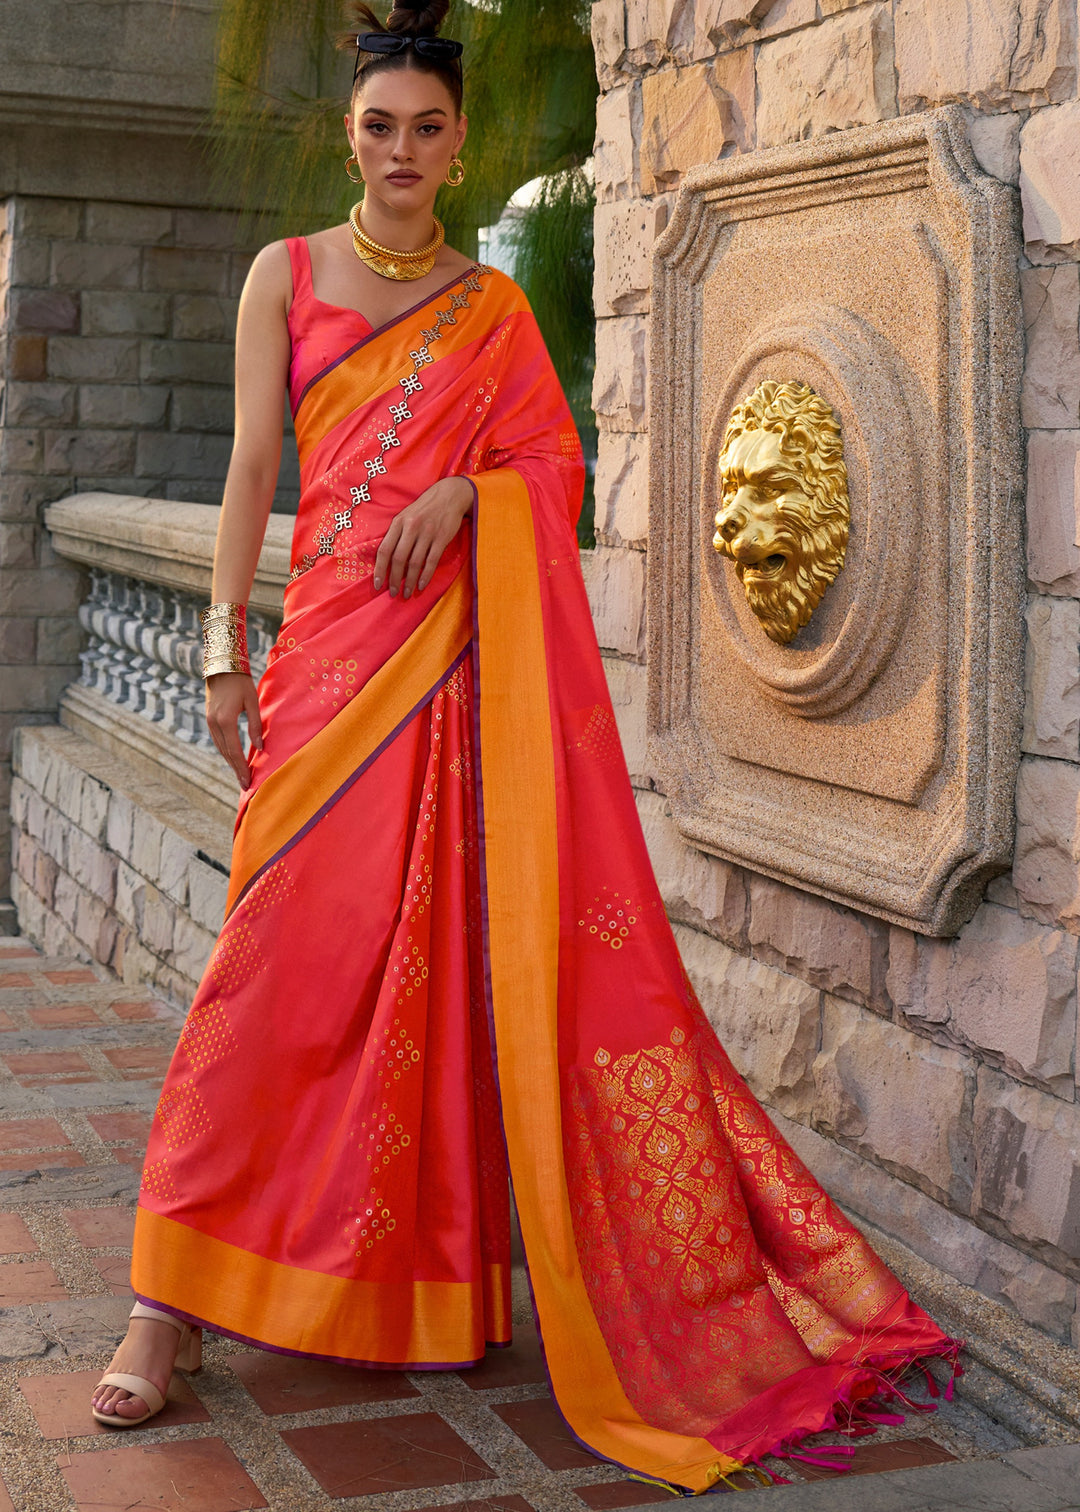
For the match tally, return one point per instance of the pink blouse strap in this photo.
(300, 260)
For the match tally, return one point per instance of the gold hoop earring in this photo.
(456, 165)
(354, 178)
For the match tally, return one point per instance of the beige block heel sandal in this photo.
(188, 1357)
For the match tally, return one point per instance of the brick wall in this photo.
(116, 328)
(932, 1083)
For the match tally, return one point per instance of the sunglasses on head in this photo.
(438, 49)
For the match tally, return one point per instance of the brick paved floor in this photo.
(81, 1062)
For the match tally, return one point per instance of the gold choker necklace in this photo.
(388, 262)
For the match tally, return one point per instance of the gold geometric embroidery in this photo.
(207, 1035)
(182, 1115)
(600, 736)
(236, 957)
(273, 887)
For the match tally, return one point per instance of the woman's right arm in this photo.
(262, 366)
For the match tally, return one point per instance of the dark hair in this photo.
(410, 18)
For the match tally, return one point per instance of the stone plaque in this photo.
(871, 758)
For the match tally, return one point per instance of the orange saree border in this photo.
(521, 852)
(311, 1313)
(294, 795)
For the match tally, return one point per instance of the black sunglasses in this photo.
(438, 49)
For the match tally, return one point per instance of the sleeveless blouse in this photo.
(316, 328)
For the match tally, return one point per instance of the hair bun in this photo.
(417, 18)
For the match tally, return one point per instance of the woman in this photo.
(445, 952)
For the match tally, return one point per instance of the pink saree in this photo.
(445, 957)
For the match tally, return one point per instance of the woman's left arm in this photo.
(419, 534)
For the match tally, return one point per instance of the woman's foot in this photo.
(148, 1349)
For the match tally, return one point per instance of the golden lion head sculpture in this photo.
(784, 516)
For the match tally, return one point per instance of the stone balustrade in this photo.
(122, 815)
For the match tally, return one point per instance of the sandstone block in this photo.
(1028, 1150)
(85, 265)
(20, 450)
(627, 687)
(202, 317)
(615, 148)
(185, 362)
(1051, 393)
(178, 269)
(651, 29)
(44, 310)
(918, 976)
(17, 641)
(729, 23)
(1050, 183)
(1045, 871)
(66, 901)
(767, 1022)
(1053, 511)
(18, 546)
(825, 945)
(622, 489)
(93, 807)
(623, 236)
(130, 895)
(995, 141)
(90, 921)
(695, 115)
(134, 225)
(54, 590)
(146, 837)
(1052, 682)
(119, 825)
(837, 74)
(29, 687)
(29, 358)
(158, 922)
(987, 52)
(620, 384)
(204, 409)
(92, 867)
(177, 855)
(609, 40)
(897, 1099)
(40, 404)
(28, 263)
(93, 359)
(124, 313)
(615, 582)
(207, 891)
(207, 228)
(48, 217)
(182, 455)
(698, 889)
(192, 946)
(239, 268)
(89, 451)
(128, 406)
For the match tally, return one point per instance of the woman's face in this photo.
(404, 130)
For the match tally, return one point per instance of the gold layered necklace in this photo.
(388, 262)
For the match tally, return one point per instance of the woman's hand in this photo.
(418, 536)
(228, 695)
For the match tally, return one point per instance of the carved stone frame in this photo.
(819, 764)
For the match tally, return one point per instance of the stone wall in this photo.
(931, 1083)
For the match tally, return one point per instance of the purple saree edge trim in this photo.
(387, 325)
(489, 1003)
(351, 779)
(300, 1354)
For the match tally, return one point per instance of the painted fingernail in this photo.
(408, 593)
(393, 593)
(376, 583)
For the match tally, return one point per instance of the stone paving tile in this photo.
(872, 1458)
(80, 1067)
(202, 1475)
(386, 1454)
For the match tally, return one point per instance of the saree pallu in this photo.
(446, 953)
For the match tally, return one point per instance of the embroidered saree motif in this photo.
(446, 956)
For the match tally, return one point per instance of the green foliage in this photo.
(279, 144)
